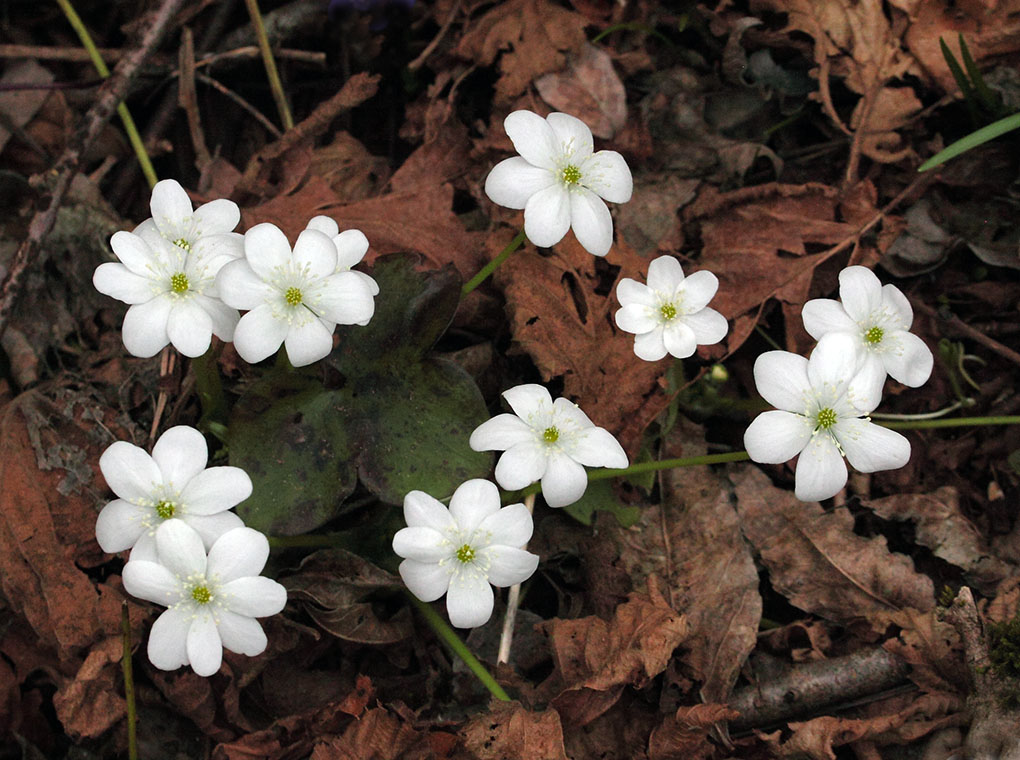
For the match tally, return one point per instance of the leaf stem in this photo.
(129, 682)
(279, 96)
(458, 647)
(122, 110)
(489, 268)
(952, 423)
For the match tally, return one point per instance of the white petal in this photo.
(566, 412)
(650, 346)
(129, 471)
(421, 544)
(897, 305)
(834, 361)
(145, 548)
(508, 565)
(472, 502)
(259, 334)
(135, 254)
(573, 137)
(209, 254)
(607, 174)
(181, 453)
(596, 447)
(425, 580)
(238, 553)
(372, 285)
(214, 217)
(510, 526)
(171, 209)
(421, 510)
(180, 548)
(254, 596)
(324, 224)
(781, 378)
(211, 527)
(315, 254)
(151, 581)
(709, 326)
(591, 222)
(547, 216)
(521, 465)
(168, 640)
(871, 448)
(533, 138)
(351, 247)
(345, 298)
(777, 436)
(215, 490)
(823, 315)
(821, 471)
(865, 390)
(909, 360)
(224, 318)
(698, 289)
(636, 318)
(665, 275)
(529, 399)
(500, 433)
(144, 330)
(564, 481)
(117, 281)
(239, 287)
(513, 181)
(241, 634)
(308, 343)
(267, 250)
(469, 600)
(679, 339)
(205, 650)
(630, 291)
(860, 291)
(119, 525)
(189, 328)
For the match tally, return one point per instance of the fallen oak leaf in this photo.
(509, 730)
(590, 89)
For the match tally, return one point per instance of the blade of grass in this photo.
(970, 98)
(984, 94)
(980, 137)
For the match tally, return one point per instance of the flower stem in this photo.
(955, 422)
(122, 110)
(209, 387)
(270, 63)
(513, 601)
(459, 648)
(489, 268)
(129, 682)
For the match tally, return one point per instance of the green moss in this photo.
(1004, 653)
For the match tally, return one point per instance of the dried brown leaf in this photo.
(509, 731)
(816, 560)
(90, 705)
(377, 735)
(590, 89)
(684, 736)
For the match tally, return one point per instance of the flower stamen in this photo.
(826, 418)
(551, 434)
(873, 335)
(183, 244)
(668, 311)
(293, 296)
(466, 554)
(571, 175)
(165, 509)
(201, 594)
(179, 283)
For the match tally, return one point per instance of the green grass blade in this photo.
(980, 137)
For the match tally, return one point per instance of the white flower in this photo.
(818, 419)
(171, 291)
(295, 298)
(549, 441)
(174, 220)
(212, 600)
(670, 313)
(461, 550)
(878, 318)
(351, 247)
(559, 182)
(172, 483)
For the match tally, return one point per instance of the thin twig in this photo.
(187, 98)
(958, 325)
(275, 85)
(513, 600)
(423, 56)
(109, 96)
(244, 104)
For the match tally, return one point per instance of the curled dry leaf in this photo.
(684, 736)
(90, 704)
(378, 734)
(509, 730)
(590, 89)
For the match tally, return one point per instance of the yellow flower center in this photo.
(466, 554)
(571, 175)
(182, 243)
(179, 283)
(826, 418)
(550, 435)
(668, 311)
(293, 296)
(874, 335)
(165, 509)
(201, 594)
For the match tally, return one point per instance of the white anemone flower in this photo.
(174, 220)
(817, 418)
(670, 314)
(878, 318)
(548, 441)
(294, 298)
(351, 247)
(212, 600)
(171, 291)
(460, 551)
(559, 182)
(173, 483)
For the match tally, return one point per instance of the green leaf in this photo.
(600, 496)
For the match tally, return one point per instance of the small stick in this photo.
(957, 324)
(275, 85)
(129, 681)
(513, 600)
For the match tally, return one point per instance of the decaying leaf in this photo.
(378, 734)
(684, 736)
(589, 89)
(510, 731)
